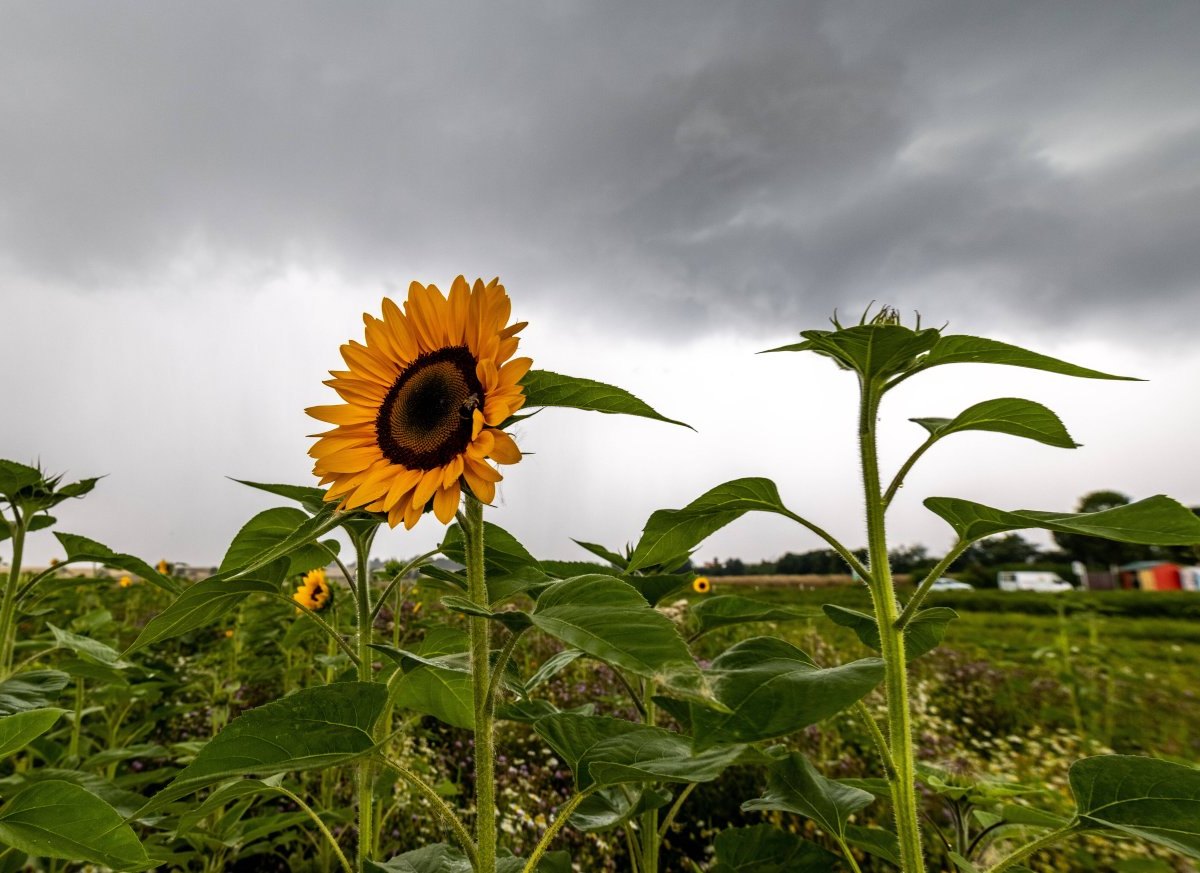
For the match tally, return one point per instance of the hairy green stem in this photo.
(308, 810)
(564, 813)
(669, 818)
(898, 479)
(903, 780)
(881, 743)
(10, 592)
(848, 556)
(366, 793)
(1030, 848)
(440, 806)
(848, 855)
(329, 630)
(480, 629)
(650, 838)
(498, 668)
(910, 608)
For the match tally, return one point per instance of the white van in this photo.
(1032, 580)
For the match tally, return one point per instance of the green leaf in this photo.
(670, 532)
(610, 807)
(32, 690)
(301, 537)
(767, 849)
(976, 350)
(924, 632)
(1155, 521)
(41, 522)
(440, 692)
(14, 477)
(876, 351)
(56, 819)
(551, 667)
(609, 751)
(794, 785)
(1144, 797)
(80, 488)
(268, 529)
(312, 499)
(91, 650)
(657, 586)
(617, 560)
(314, 728)
(502, 552)
(543, 388)
(772, 689)
(82, 549)
(441, 858)
(1008, 415)
(875, 841)
(197, 606)
(609, 620)
(724, 610)
(21, 728)
(513, 619)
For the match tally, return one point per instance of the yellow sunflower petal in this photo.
(505, 450)
(341, 414)
(484, 491)
(445, 502)
(429, 483)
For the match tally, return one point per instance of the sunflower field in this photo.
(479, 709)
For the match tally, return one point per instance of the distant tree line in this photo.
(980, 563)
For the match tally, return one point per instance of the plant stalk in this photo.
(366, 792)
(650, 835)
(480, 630)
(891, 637)
(10, 592)
(1031, 848)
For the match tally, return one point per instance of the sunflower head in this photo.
(125, 581)
(424, 396)
(314, 591)
(163, 567)
(701, 585)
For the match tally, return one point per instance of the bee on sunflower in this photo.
(314, 591)
(425, 397)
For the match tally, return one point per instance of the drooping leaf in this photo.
(794, 785)
(268, 529)
(875, 841)
(125, 802)
(513, 619)
(32, 690)
(1155, 521)
(57, 819)
(610, 807)
(767, 849)
(21, 728)
(730, 609)
(551, 667)
(671, 532)
(772, 689)
(962, 349)
(314, 728)
(87, 648)
(312, 499)
(609, 751)
(224, 794)
(1007, 415)
(41, 522)
(924, 632)
(617, 560)
(543, 388)
(1155, 800)
(609, 620)
(199, 605)
(82, 549)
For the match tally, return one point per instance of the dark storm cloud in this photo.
(713, 163)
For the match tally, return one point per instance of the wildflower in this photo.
(228, 633)
(425, 398)
(314, 592)
(125, 581)
(701, 585)
(163, 567)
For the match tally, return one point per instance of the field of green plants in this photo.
(479, 709)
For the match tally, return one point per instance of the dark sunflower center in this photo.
(425, 420)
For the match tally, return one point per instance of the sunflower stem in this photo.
(903, 779)
(366, 796)
(10, 592)
(485, 776)
(650, 836)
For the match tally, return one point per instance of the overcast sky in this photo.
(198, 201)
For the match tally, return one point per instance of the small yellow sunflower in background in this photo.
(314, 592)
(228, 633)
(701, 585)
(125, 581)
(163, 567)
(423, 400)
(54, 562)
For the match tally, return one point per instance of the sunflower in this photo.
(701, 585)
(125, 581)
(424, 398)
(163, 567)
(314, 592)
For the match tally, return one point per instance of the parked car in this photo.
(948, 584)
(1032, 580)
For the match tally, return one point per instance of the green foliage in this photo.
(766, 849)
(795, 786)
(1007, 415)
(21, 728)
(724, 610)
(266, 531)
(543, 389)
(34, 689)
(922, 634)
(199, 605)
(83, 550)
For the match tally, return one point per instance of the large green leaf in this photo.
(876, 351)
(268, 529)
(609, 751)
(32, 690)
(502, 552)
(671, 532)
(436, 679)
(301, 537)
(609, 620)
(14, 477)
(923, 634)
(794, 785)
(87, 648)
(543, 388)
(222, 795)
(612, 806)
(57, 819)
(729, 609)
(441, 858)
(1155, 521)
(767, 849)
(312, 499)
(200, 604)
(1144, 797)
(963, 349)
(1008, 415)
(21, 728)
(82, 549)
(772, 689)
(313, 728)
